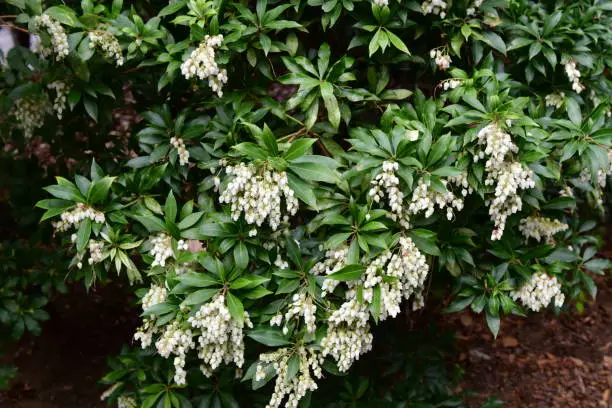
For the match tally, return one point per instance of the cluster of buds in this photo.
(183, 153)
(441, 59)
(61, 94)
(221, 339)
(541, 227)
(555, 100)
(539, 291)
(177, 341)
(573, 74)
(302, 305)
(201, 63)
(434, 7)
(59, 39)
(29, 113)
(335, 259)
(108, 44)
(348, 334)
(508, 176)
(381, 3)
(126, 402)
(387, 183)
(293, 388)
(257, 193)
(162, 249)
(75, 216)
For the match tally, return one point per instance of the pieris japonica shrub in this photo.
(302, 171)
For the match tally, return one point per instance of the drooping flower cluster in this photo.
(29, 113)
(183, 153)
(451, 83)
(472, 10)
(425, 199)
(293, 388)
(302, 305)
(435, 7)
(539, 291)
(461, 180)
(387, 183)
(96, 254)
(508, 176)
(155, 295)
(125, 401)
(541, 227)
(573, 74)
(61, 93)
(59, 39)
(75, 216)
(177, 341)
(221, 339)
(201, 63)
(257, 193)
(555, 100)
(381, 3)
(348, 334)
(335, 259)
(162, 249)
(441, 59)
(108, 44)
(399, 275)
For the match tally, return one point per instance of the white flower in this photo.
(540, 227)
(61, 93)
(201, 63)
(435, 7)
(162, 249)
(126, 402)
(177, 341)
(573, 74)
(555, 100)
(257, 193)
(221, 337)
(381, 3)
(95, 252)
(302, 305)
(108, 44)
(155, 295)
(335, 259)
(29, 113)
(294, 389)
(539, 291)
(412, 135)
(75, 216)
(59, 39)
(183, 153)
(442, 60)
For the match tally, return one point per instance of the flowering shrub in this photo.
(305, 170)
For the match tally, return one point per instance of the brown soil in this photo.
(61, 368)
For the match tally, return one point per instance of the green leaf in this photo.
(459, 304)
(293, 366)
(91, 107)
(198, 280)
(200, 296)
(331, 104)
(83, 234)
(314, 172)
(573, 111)
(348, 273)
(170, 207)
(495, 41)
(397, 42)
(493, 322)
(235, 307)
(269, 337)
(241, 256)
(298, 148)
(98, 190)
(190, 220)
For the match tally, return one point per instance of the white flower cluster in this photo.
(555, 100)
(541, 227)
(381, 3)
(201, 63)
(434, 6)
(59, 39)
(155, 295)
(451, 83)
(386, 182)
(425, 199)
(293, 388)
(258, 195)
(399, 275)
(442, 60)
(539, 292)
(162, 249)
(108, 44)
(126, 402)
(573, 74)
(335, 259)
(472, 10)
(348, 334)
(30, 114)
(221, 338)
(177, 341)
(507, 176)
(183, 153)
(95, 251)
(302, 305)
(75, 216)
(461, 180)
(61, 93)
